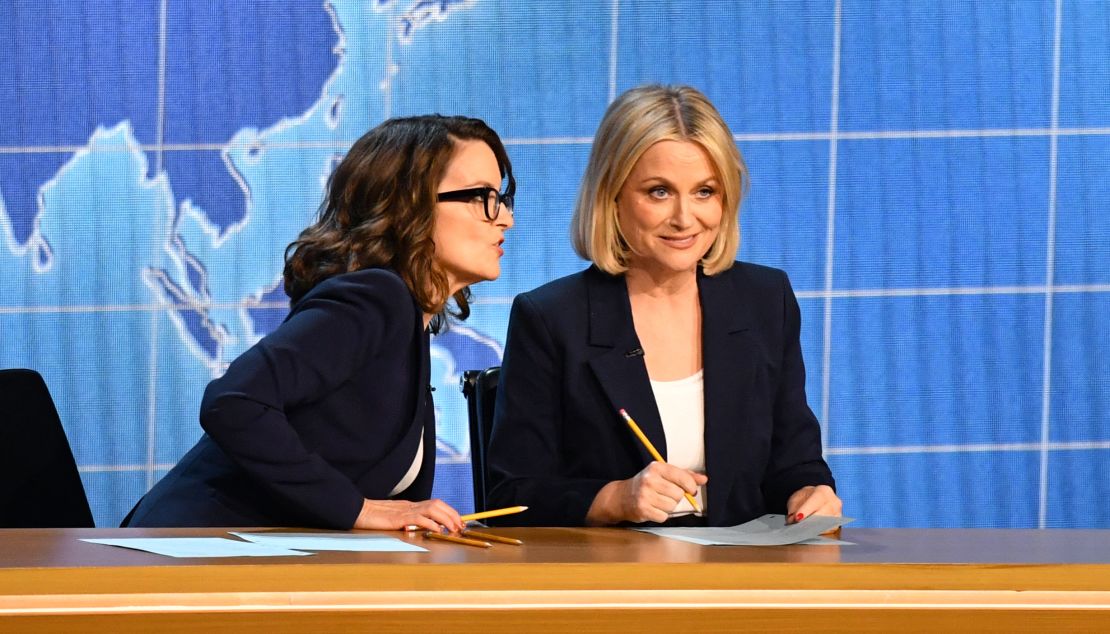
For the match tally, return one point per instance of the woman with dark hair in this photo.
(328, 421)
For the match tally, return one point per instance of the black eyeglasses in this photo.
(491, 199)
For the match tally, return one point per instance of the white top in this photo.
(681, 406)
(414, 469)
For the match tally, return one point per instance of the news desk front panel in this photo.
(578, 580)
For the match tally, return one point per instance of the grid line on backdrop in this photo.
(507, 300)
(1050, 267)
(155, 317)
(769, 137)
(830, 230)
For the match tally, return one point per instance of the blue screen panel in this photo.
(941, 212)
(936, 370)
(1077, 480)
(1080, 389)
(766, 65)
(1084, 64)
(966, 490)
(937, 65)
(783, 220)
(1082, 224)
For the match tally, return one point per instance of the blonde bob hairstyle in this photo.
(638, 119)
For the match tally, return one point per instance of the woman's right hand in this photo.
(433, 515)
(648, 496)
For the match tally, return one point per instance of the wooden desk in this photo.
(580, 580)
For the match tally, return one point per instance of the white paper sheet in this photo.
(198, 547)
(769, 530)
(351, 542)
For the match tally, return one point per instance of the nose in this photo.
(504, 219)
(681, 214)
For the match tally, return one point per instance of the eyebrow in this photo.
(475, 184)
(664, 179)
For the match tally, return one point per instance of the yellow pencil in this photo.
(456, 540)
(654, 454)
(491, 538)
(494, 513)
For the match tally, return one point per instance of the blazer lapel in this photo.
(621, 370)
(729, 364)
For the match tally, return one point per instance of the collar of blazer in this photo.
(729, 361)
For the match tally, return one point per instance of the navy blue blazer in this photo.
(323, 412)
(572, 360)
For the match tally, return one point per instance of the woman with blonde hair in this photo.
(700, 350)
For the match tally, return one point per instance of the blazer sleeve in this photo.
(796, 457)
(329, 336)
(525, 452)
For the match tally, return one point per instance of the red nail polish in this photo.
(799, 517)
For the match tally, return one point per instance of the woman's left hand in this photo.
(812, 500)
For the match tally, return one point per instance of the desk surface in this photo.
(49, 574)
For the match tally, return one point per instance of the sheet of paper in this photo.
(198, 547)
(352, 542)
(769, 530)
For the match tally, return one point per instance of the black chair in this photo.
(40, 487)
(480, 389)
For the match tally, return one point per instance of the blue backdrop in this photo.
(933, 176)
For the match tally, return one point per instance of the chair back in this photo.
(40, 486)
(480, 389)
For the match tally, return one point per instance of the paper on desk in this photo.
(198, 547)
(769, 530)
(352, 542)
(816, 541)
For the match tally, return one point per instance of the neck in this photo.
(662, 285)
(453, 287)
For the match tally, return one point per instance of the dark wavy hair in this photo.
(378, 210)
